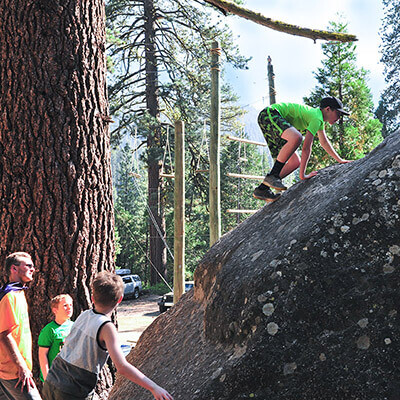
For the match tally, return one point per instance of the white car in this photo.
(133, 286)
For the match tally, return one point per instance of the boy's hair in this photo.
(107, 288)
(55, 301)
(14, 259)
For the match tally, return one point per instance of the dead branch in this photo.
(280, 26)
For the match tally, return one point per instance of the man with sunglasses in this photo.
(16, 381)
(282, 124)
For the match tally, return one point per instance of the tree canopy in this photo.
(389, 107)
(339, 76)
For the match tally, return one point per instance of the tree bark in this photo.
(55, 176)
(157, 250)
(280, 26)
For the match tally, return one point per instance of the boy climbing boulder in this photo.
(282, 124)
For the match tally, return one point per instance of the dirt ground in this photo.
(134, 316)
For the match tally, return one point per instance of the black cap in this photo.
(334, 103)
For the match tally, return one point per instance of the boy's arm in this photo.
(305, 156)
(108, 336)
(326, 144)
(44, 361)
(24, 373)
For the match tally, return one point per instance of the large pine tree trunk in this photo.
(55, 175)
(157, 250)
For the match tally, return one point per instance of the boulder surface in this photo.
(300, 301)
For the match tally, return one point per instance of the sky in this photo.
(296, 58)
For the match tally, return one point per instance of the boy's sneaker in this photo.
(265, 194)
(274, 182)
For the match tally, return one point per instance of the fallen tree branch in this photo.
(280, 26)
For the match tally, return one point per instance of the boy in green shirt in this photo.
(52, 336)
(281, 125)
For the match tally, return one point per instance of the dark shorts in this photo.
(50, 392)
(9, 391)
(272, 125)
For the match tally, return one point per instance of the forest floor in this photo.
(134, 316)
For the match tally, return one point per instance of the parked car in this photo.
(133, 286)
(123, 271)
(167, 301)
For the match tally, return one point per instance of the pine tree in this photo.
(161, 64)
(388, 111)
(339, 76)
(55, 175)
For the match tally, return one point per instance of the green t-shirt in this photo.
(301, 117)
(53, 336)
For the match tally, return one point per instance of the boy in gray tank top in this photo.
(74, 372)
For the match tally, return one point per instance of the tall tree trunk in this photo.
(55, 175)
(157, 250)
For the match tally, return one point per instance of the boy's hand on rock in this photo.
(161, 394)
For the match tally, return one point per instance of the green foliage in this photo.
(339, 76)
(130, 214)
(111, 37)
(159, 288)
(237, 193)
(388, 111)
(197, 234)
(131, 217)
